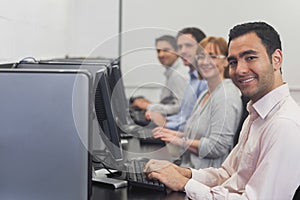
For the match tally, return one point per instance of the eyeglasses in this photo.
(204, 56)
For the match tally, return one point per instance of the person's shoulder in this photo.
(181, 70)
(228, 83)
(230, 88)
(290, 110)
(284, 124)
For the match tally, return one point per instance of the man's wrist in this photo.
(186, 172)
(184, 182)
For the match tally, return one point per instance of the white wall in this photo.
(32, 28)
(55, 28)
(93, 28)
(214, 18)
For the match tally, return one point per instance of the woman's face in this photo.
(211, 63)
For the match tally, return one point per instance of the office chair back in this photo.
(297, 194)
(245, 113)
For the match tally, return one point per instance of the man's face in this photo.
(166, 53)
(187, 48)
(250, 66)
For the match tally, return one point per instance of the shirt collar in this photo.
(193, 74)
(264, 105)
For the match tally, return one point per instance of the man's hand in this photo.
(161, 130)
(156, 117)
(173, 176)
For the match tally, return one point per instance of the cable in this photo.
(27, 59)
(103, 163)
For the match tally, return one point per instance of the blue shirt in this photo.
(190, 96)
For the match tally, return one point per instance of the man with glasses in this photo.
(265, 163)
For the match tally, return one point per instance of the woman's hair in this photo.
(219, 44)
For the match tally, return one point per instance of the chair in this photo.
(245, 113)
(297, 194)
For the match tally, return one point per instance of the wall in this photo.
(32, 28)
(214, 18)
(56, 28)
(93, 28)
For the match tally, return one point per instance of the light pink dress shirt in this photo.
(265, 165)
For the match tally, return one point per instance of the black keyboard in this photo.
(152, 140)
(136, 177)
(146, 137)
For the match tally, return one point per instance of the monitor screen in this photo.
(45, 134)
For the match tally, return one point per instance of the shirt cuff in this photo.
(197, 190)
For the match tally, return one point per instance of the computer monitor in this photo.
(91, 67)
(7, 65)
(120, 103)
(91, 60)
(106, 138)
(45, 134)
(105, 115)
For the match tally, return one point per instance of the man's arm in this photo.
(276, 175)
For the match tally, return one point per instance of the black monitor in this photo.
(105, 116)
(120, 103)
(45, 134)
(105, 132)
(91, 60)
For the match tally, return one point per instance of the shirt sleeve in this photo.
(197, 190)
(173, 125)
(172, 93)
(165, 109)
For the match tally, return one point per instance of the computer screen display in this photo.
(45, 134)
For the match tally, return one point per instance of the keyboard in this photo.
(147, 138)
(152, 140)
(137, 178)
(144, 134)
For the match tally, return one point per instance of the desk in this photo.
(103, 192)
(134, 149)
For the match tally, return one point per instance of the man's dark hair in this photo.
(268, 35)
(168, 38)
(195, 32)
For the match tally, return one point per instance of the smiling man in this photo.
(265, 163)
(176, 78)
